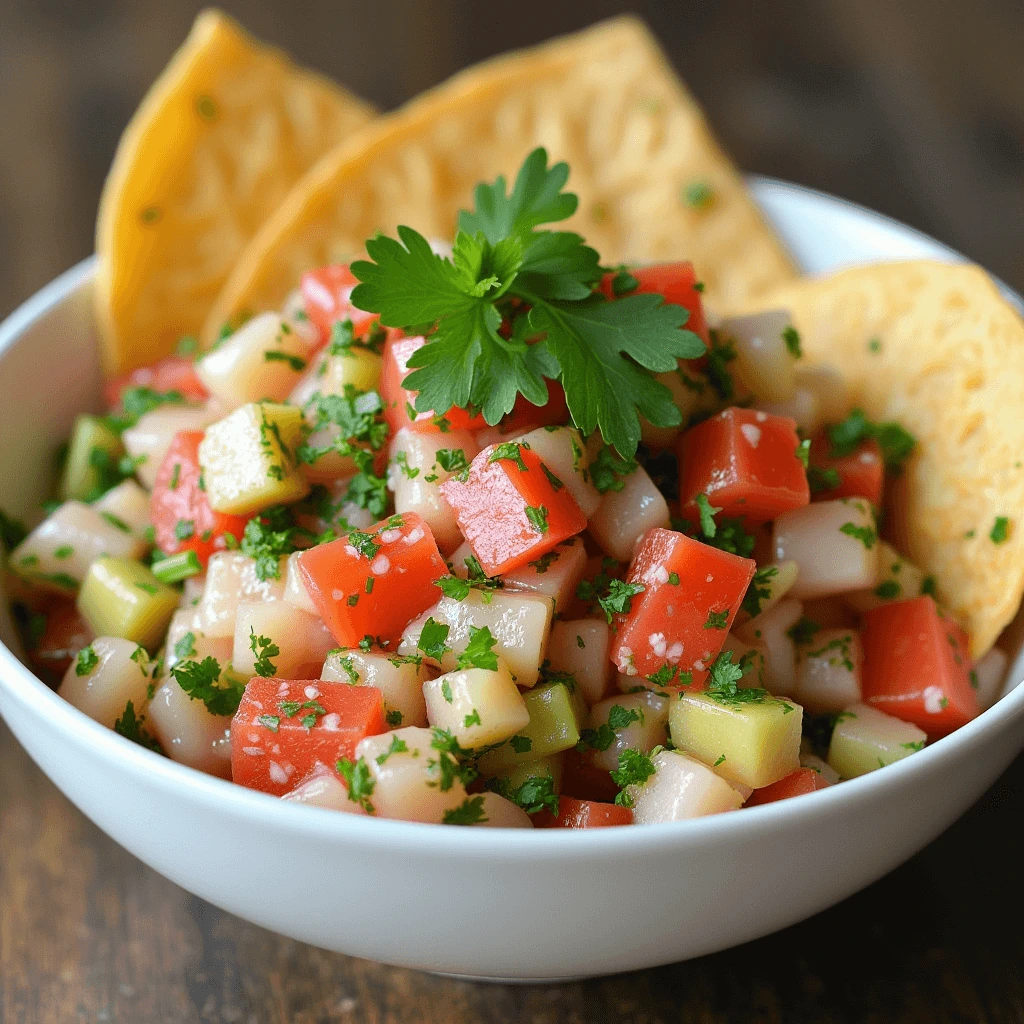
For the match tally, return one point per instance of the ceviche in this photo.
(491, 533)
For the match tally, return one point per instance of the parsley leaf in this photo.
(130, 726)
(619, 598)
(538, 518)
(600, 350)
(264, 649)
(707, 515)
(199, 679)
(760, 590)
(635, 768)
(433, 637)
(608, 468)
(86, 661)
(267, 538)
(479, 651)
(469, 812)
(896, 443)
(359, 780)
(1000, 530)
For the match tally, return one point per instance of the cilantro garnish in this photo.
(469, 812)
(717, 620)
(510, 451)
(603, 736)
(720, 354)
(792, 339)
(398, 746)
(723, 679)
(698, 195)
(521, 744)
(865, 534)
(131, 727)
(1000, 530)
(803, 452)
(820, 480)
(896, 442)
(433, 637)
(86, 661)
(365, 544)
(359, 780)
(887, 590)
(264, 649)
(458, 589)
(538, 518)
(619, 598)
(760, 590)
(929, 586)
(542, 283)
(186, 646)
(803, 630)
(451, 460)
(267, 538)
(448, 767)
(199, 679)
(536, 794)
(479, 651)
(635, 768)
(297, 363)
(707, 516)
(137, 401)
(608, 468)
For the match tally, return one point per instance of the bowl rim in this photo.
(532, 845)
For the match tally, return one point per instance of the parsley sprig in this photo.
(542, 285)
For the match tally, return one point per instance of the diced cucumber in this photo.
(556, 713)
(511, 778)
(248, 458)
(755, 742)
(83, 477)
(121, 597)
(865, 738)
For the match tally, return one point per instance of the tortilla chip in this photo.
(213, 149)
(605, 100)
(947, 366)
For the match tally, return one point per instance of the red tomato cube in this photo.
(745, 462)
(64, 635)
(679, 622)
(857, 475)
(327, 295)
(676, 282)
(182, 517)
(374, 583)
(581, 778)
(400, 403)
(526, 416)
(803, 780)
(573, 813)
(283, 728)
(510, 508)
(172, 373)
(917, 666)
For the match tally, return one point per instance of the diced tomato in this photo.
(573, 813)
(66, 633)
(525, 415)
(803, 780)
(283, 728)
(858, 475)
(182, 517)
(917, 665)
(172, 373)
(676, 282)
(679, 621)
(512, 510)
(745, 462)
(399, 403)
(327, 294)
(375, 583)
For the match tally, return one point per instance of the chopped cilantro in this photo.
(803, 452)
(759, 591)
(186, 646)
(635, 768)
(268, 537)
(607, 470)
(929, 586)
(707, 516)
(86, 661)
(803, 630)
(432, 639)
(199, 680)
(131, 727)
(717, 620)
(479, 651)
(469, 812)
(895, 442)
(264, 649)
(887, 590)
(619, 598)
(1000, 530)
(521, 744)
(297, 363)
(698, 195)
(820, 480)
(359, 780)
(365, 544)
(541, 282)
(603, 736)
(865, 534)
(792, 339)
(398, 746)
(471, 719)
(451, 460)
(538, 518)
(402, 462)
(510, 451)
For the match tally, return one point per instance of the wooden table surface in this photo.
(914, 107)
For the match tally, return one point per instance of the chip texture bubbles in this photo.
(936, 348)
(213, 149)
(604, 100)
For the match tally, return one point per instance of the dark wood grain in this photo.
(915, 108)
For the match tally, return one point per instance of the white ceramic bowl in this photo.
(476, 902)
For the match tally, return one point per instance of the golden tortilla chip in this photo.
(653, 183)
(213, 149)
(936, 348)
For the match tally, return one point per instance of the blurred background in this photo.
(913, 107)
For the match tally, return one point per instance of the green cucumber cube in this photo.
(121, 597)
(865, 739)
(92, 445)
